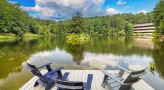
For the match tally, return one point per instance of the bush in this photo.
(113, 31)
(77, 38)
(155, 34)
(71, 37)
(122, 33)
(31, 35)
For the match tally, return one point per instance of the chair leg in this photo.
(36, 84)
(48, 67)
(60, 74)
(104, 82)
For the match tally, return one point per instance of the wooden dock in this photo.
(81, 75)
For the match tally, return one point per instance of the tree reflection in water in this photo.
(14, 52)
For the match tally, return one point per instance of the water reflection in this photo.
(100, 61)
(76, 51)
(98, 53)
(158, 55)
(56, 55)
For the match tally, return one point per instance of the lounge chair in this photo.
(64, 84)
(117, 82)
(46, 79)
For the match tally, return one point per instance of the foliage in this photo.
(128, 28)
(76, 24)
(75, 39)
(111, 31)
(158, 17)
(78, 37)
(121, 32)
(155, 34)
(7, 36)
(30, 35)
(152, 65)
(16, 21)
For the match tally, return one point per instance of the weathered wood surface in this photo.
(81, 75)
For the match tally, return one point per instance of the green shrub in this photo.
(155, 34)
(30, 35)
(77, 38)
(122, 33)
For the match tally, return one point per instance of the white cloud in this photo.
(120, 2)
(12, 2)
(127, 7)
(111, 11)
(142, 11)
(64, 9)
(43, 12)
(31, 9)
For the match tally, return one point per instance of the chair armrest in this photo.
(124, 69)
(89, 81)
(138, 75)
(65, 76)
(111, 76)
(44, 65)
(56, 70)
(144, 69)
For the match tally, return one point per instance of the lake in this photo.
(98, 53)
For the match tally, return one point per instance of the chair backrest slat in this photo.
(36, 72)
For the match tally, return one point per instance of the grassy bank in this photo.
(7, 36)
(13, 36)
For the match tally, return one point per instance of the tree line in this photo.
(16, 21)
(119, 24)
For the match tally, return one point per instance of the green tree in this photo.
(128, 28)
(158, 17)
(77, 24)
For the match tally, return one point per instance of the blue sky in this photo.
(131, 6)
(65, 9)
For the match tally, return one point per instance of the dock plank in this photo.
(81, 75)
(31, 82)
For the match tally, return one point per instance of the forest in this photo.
(16, 21)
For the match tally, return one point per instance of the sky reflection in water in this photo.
(96, 61)
(98, 53)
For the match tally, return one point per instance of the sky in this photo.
(65, 9)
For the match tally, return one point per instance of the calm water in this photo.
(98, 53)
